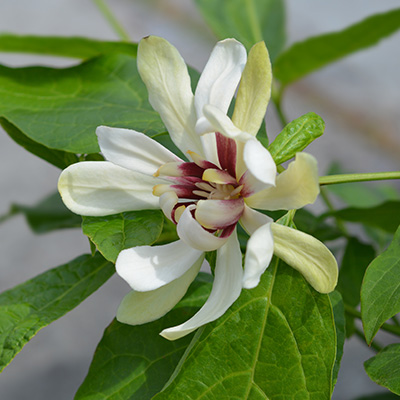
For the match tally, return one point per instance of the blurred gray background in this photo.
(358, 97)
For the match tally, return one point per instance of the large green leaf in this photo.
(114, 233)
(135, 362)
(379, 396)
(316, 52)
(384, 368)
(385, 216)
(249, 21)
(61, 108)
(357, 257)
(75, 47)
(48, 215)
(380, 291)
(296, 136)
(29, 307)
(60, 159)
(277, 341)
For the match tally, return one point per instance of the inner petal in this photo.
(226, 148)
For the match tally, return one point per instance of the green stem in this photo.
(339, 223)
(385, 326)
(254, 23)
(347, 178)
(110, 17)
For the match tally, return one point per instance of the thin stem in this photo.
(347, 178)
(339, 222)
(277, 99)
(5, 217)
(395, 320)
(254, 23)
(112, 20)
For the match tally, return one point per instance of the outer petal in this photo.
(226, 289)
(195, 236)
(102, 188)
(147, 268)
(220, 78)
(164, 72)
(133, 150)
(138, 308)
(307, 255)
(261, 168)
(295, 187)
(252, 220)
(254, 90)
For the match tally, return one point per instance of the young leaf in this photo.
(75, 47)
(61, 108)
(48, 215)
(135, 361)
(316, 52)
(248, 21)
(296, 136)
(60, 159)
(29, 307)
(340, 325)
(380, 291)
(384, 368)
(277, 339)
(114, 233)
(357, 257)
(385, 216)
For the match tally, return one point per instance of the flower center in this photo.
(217, 191)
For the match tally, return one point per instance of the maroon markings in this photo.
(226, 148)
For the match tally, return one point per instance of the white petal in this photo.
(220, 77)
(259, 252)
(168, 200)
(195, 236)
(295, 187)
(133, 150)
(261, 168)
(219, 214)
(307, 255)
(102, 188)
(226, 289)
(165, 75)
(147, 268)
(139, 308)
(251, 220)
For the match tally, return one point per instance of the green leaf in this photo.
(385, 216)
(276, 340)
(135, 361)
(48, 215)
(379, 396)
(75, 47)
(114, 233)
(340, 325)
(249, 21)
(384, 368)
(357, 257)
(60, 159)
(61, 108)
(316, 52)
(29, 307)
(380, 291)
(296, 136)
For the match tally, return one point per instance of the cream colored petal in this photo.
(295, 187)
(165, 75)
(226, 289)
(133, 150)
(139, 308)
(251, 220)
(254, 91)
(307, 255)
(168, 201)
(220, 78)
(102, 188)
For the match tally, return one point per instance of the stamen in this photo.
(201, 193)
(205, 186)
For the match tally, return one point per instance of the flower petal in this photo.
(251, 220)
(139, 308)
(195, 236)
(226, 289)
(261, 168)
(295, 187)
(147, 268)
(219, 214)
(220, 78)
(165, 75)
(102, 188)
(307, 255)
(133, 150)
(168, 201)
(254, 91)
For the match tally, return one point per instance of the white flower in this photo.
(229, 174)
